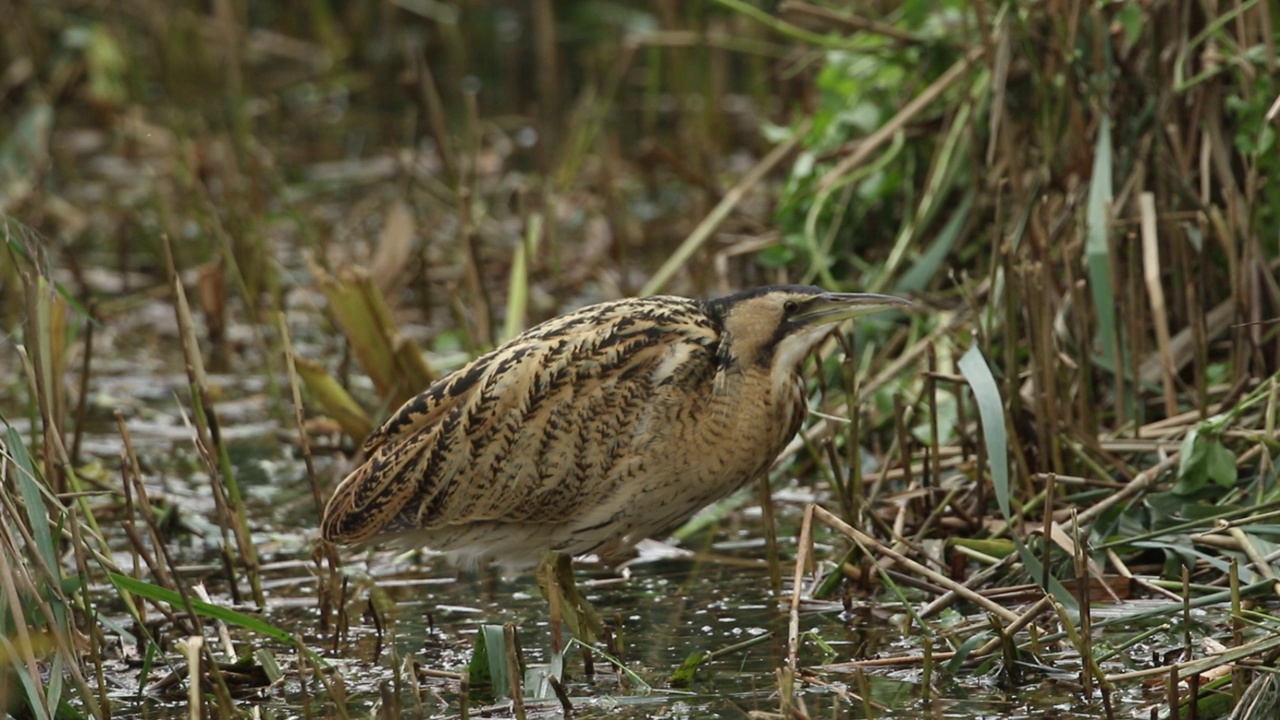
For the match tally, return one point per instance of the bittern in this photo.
(593, 430)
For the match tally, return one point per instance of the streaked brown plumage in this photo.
(595, 429)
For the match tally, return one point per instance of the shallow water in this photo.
(710, 593)
(664, 609)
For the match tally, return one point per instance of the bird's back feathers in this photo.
(532, 430)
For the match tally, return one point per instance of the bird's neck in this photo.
(767, 403)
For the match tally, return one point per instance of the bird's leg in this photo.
(555, 580)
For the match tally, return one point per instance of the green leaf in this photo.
(200, 607)
(537, 679)
(936, 259)
(30, 685)
(1192, 473)
(995, 547)
(683, 676)
(1204, 458)
(977, 372)
(1220, 463)
(29, 486)
(267, 660)
(488, 664)
(478, 671)
(777, 256)
(956, 663)
(973, 365)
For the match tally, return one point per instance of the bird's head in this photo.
(778, 326)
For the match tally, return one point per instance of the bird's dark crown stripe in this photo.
(719, 307)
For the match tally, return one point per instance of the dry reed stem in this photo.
(1028, 616)
(797, 580)
(194, 695)
(873, 545)
(511, 656)
(1255, 649)
(943, 601)
(1140, 483)
(1151, 273)
(1251, 551)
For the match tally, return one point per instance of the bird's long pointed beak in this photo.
(831, 307)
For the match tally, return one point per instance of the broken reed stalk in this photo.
(802, 559)
(982, 576)
(304, 671)
(1090, 669)
(1140, 484)
(926, 665)
(1255, 556)
(1237, 629)
(1010, 670)
(1186, 612)
(224, 635)
(864, 692)
(1188, 668)
(511, 647)
(1028, 616)
(786, 691)
(903, 444)
(195, 643)
(162, 567)
(1045, 559)
(1086, 629)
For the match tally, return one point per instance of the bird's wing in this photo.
(529, 431)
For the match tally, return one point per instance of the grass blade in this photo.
(1097, 246)
(28, 486)
(164, 595)
(973, 365)
(977, 372)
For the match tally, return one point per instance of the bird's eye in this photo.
(790, 306)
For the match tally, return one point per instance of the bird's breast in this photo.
(726, 438)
